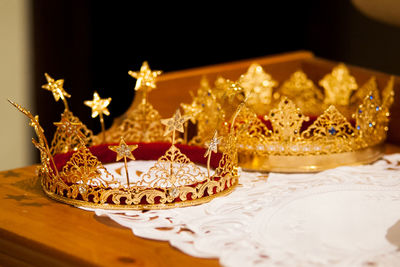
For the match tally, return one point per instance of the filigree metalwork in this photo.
(84, 168)
(367, 119)
(285, 133)
(331, 124)
(286, 120)
(363, 91)
(63, 141)
(142, 125)
(172, 169)
(251, 131)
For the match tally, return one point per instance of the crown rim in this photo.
(181, 204)
(309, 163)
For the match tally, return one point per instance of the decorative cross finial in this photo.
(338, 86)
(56, 87)
(258, 83)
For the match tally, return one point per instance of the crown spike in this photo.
(338, 86)
(258, 85)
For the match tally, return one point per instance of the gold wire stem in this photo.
(208, 165)
(103, 129)
(173, 137)
(185, 134)
(144, 97)
(65, 104)
(171, 171)
(126, 170)
(69, 143)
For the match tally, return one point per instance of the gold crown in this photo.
(76, 168)
(297, 127)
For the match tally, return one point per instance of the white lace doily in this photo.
(348, 216)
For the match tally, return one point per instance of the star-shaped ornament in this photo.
(56, 87)
(145, 78)
(98, 105)
(191, 110)
(213, 144)
(68, 127)
(123, 150)
(175, 123)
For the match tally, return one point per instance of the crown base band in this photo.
(106, 206)
(309, 163)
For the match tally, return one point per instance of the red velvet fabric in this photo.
(145, 151)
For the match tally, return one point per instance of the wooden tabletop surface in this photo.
(35, 230)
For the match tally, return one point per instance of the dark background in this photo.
(93, 44)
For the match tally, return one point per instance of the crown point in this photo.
(338, 86)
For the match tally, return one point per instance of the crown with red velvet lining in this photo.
(159, 169)
(298, 127)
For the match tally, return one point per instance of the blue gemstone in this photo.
(332, 131)
(377, 108)
(358, 127)
(371, 97)
(370, 124)
(360, 111)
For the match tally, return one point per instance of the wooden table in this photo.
(35, 230)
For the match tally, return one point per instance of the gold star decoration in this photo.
(212, 147)
(98, 105)
(123, 150)
(191, 110)
(175, 123)
(56, 87)
(213, 144)
(68, 127)
(145, 78)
